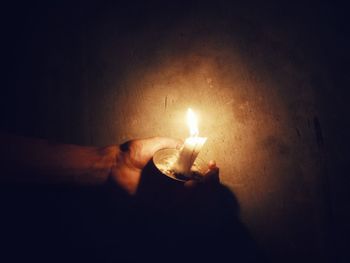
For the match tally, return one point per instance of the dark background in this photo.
(62, 61)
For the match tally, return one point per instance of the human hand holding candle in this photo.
(191, 147)
(36, 160)
(56, 163)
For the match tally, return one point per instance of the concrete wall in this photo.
(254, 75)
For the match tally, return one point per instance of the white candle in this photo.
(191, 147)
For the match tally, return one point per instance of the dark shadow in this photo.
(200, 224)
(164, 222)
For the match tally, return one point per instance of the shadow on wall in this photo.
(199, 224)
(103, 224)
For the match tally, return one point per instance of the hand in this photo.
(135, 154)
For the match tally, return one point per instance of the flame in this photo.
(192, 122)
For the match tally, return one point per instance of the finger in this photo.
(212, 164)
(212, 175)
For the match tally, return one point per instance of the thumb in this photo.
(212, 175)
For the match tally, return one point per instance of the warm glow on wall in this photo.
(244, 117)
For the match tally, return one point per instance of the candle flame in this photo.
(192, 122)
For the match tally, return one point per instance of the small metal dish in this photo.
(164, 160)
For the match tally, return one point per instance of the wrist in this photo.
(106, 161)
(110, 158)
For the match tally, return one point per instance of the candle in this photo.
(191, 147)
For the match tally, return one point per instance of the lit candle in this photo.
(191, 147)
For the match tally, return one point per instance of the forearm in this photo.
(26, 159)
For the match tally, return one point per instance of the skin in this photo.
(37, 160)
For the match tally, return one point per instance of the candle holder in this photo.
(164, 160)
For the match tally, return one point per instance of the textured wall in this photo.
(256, 101)
(253, 76)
